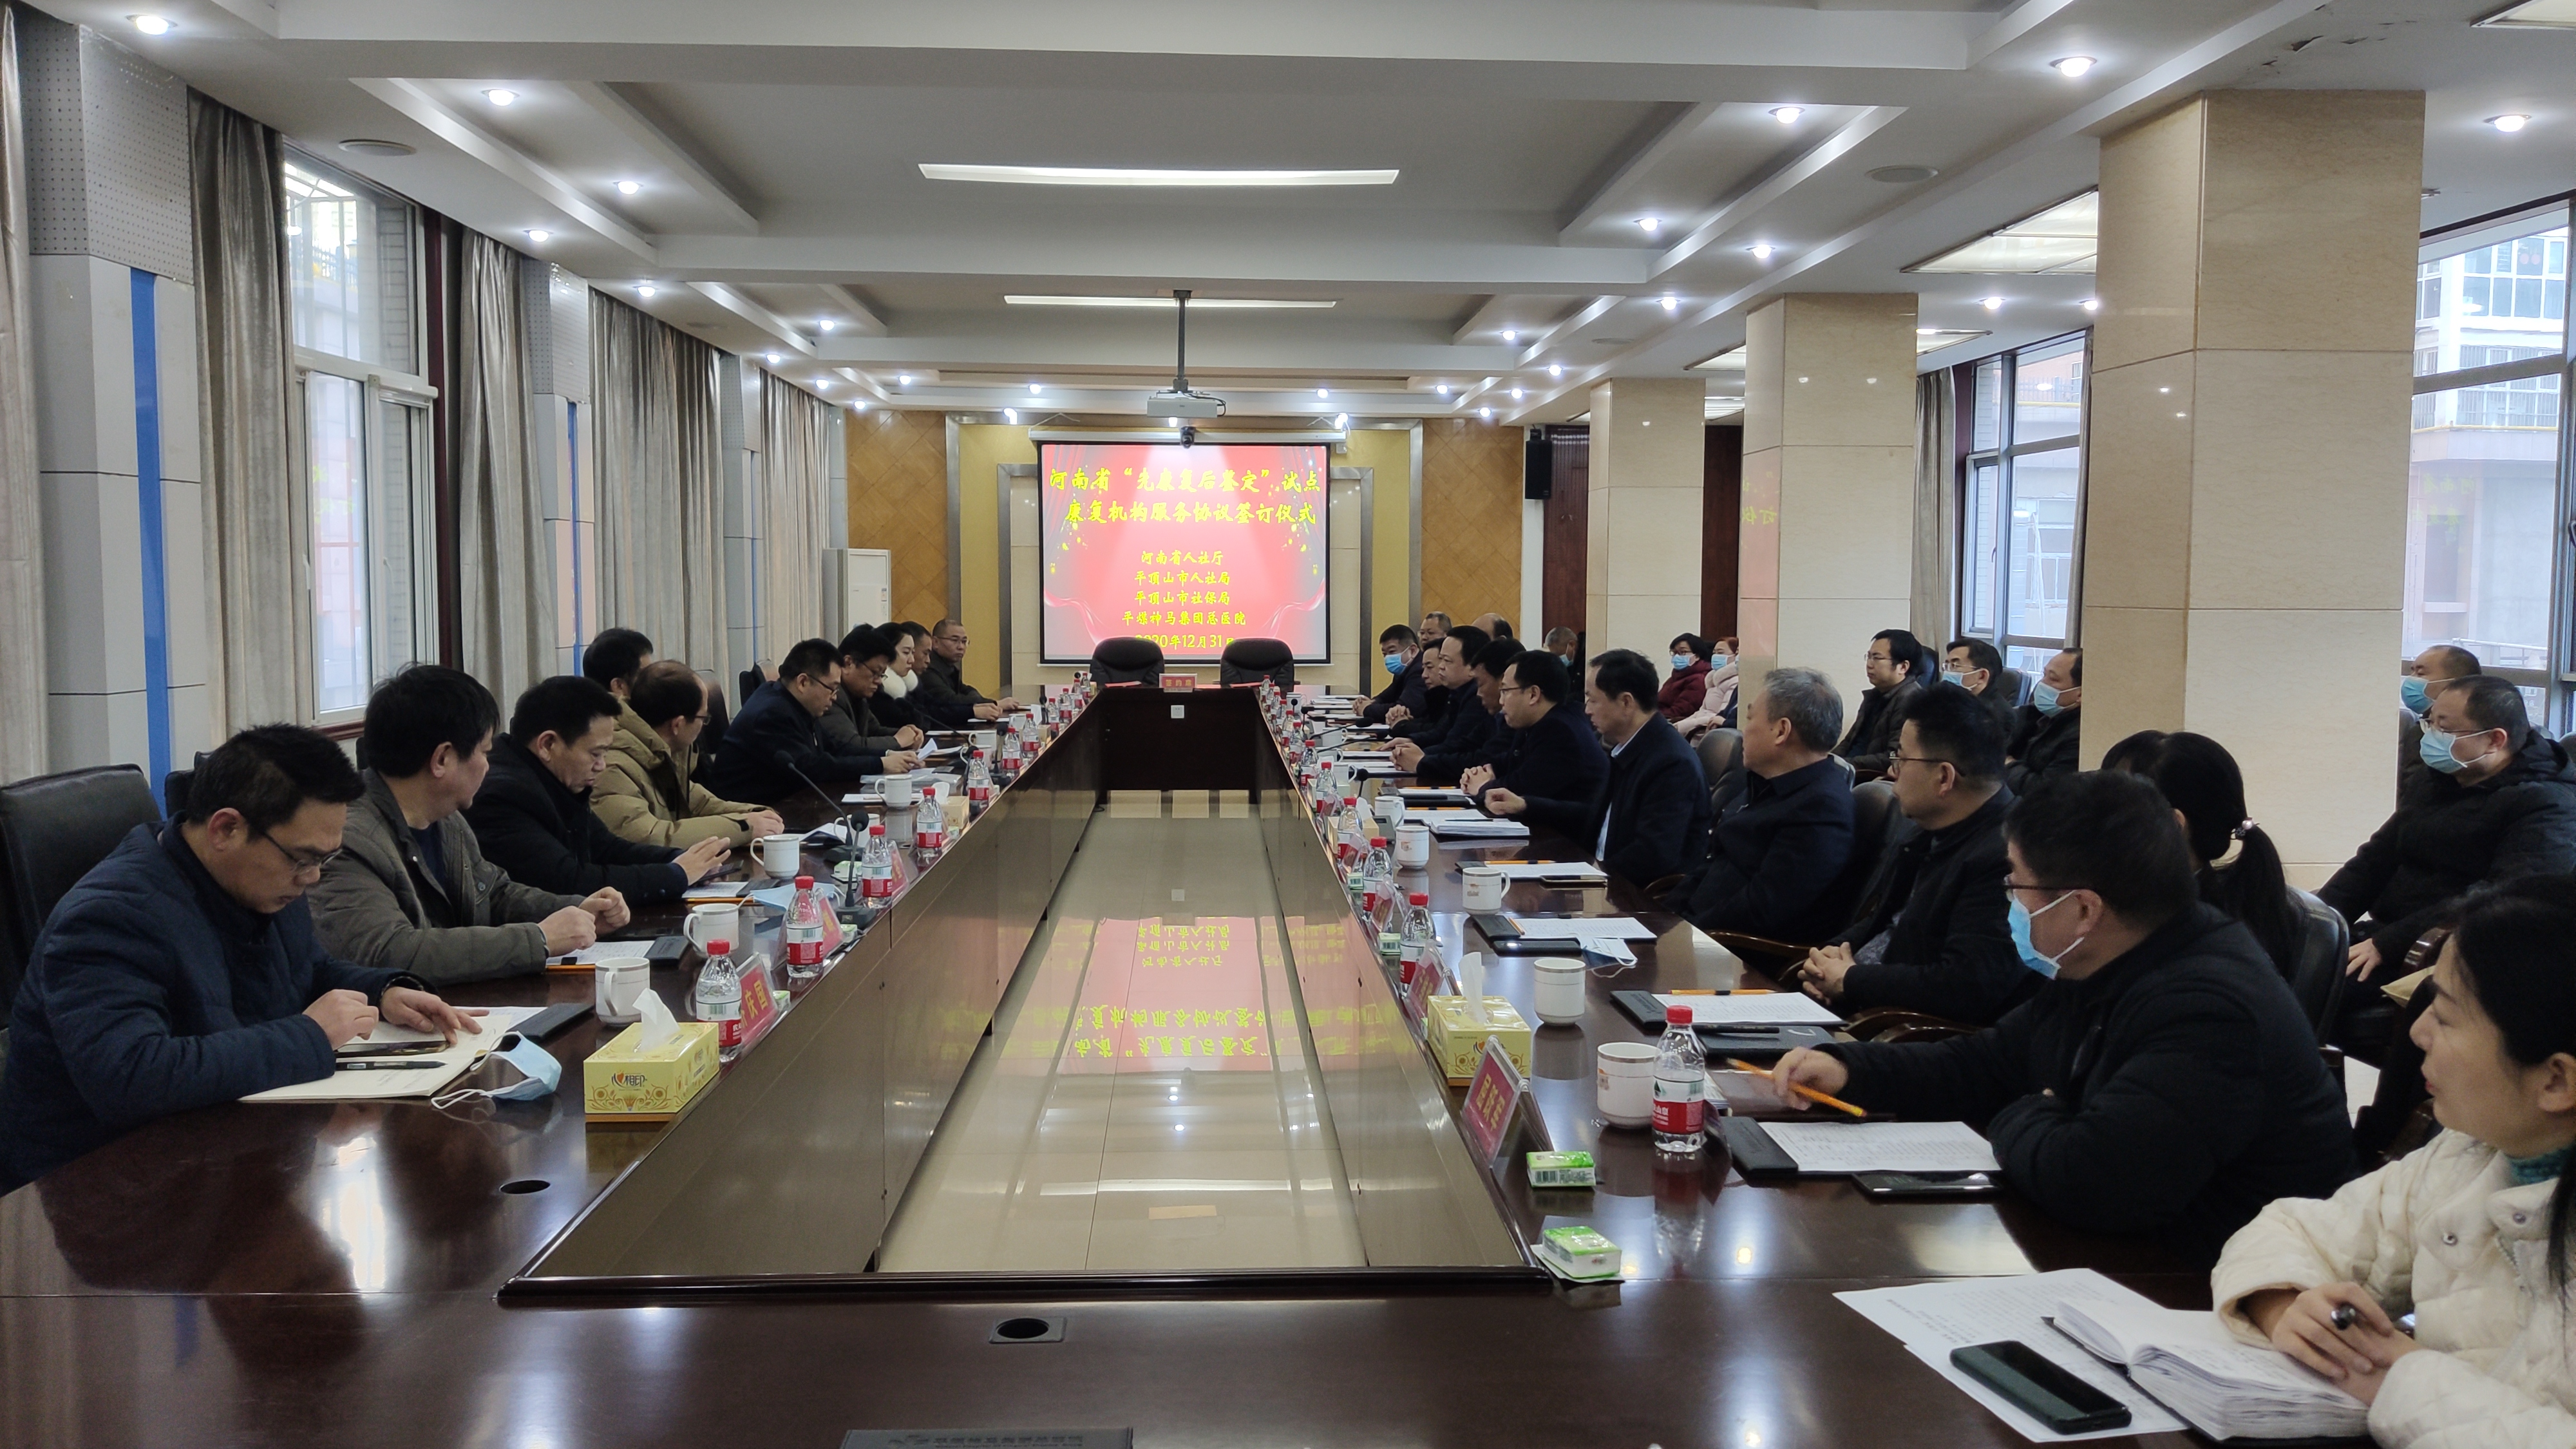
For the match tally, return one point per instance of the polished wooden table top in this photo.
(325, 1275)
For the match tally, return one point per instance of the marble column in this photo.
(1641, 555)
(2245, 488)
(1826, 553)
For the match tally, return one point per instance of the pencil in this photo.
(1810, 1093)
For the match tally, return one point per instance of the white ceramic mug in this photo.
(1413, 846)
(899, 792)
(713, 923)
(782, 855)
(1390, 811)
(1484, 890)
(1623, 1084)
(985, 740)
(618, 983)
(1560, 990)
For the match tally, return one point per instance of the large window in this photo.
(362, 436)
(2485, 516)
(2021, 499)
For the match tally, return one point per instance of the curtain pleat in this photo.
(22, 587)
(796, 491)
(1936, 507)
(245, 354)
(661, 539)
(505, 558)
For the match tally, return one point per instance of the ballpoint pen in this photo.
(391, 1066)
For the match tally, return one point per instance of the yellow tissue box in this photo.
(623, 1082)
(1457, 1040)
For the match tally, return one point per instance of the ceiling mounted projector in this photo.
(1181, 400)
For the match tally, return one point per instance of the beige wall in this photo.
(2245, 489)
(1642, 535)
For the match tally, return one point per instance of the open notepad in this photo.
(346, 1085)
(2195, 1367)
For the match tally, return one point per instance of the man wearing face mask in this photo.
(2163, 1082)
(1686, 690)
(1978, 667)
(1462, 720)
(1399, 650)
(1410, 719)
(2436, 666)
(2044, 740)
(2496, 801)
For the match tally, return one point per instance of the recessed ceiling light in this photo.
(1149, 176)
(1036, 388)
(822, 382)
(2092, 304)
(629, 188)
(1672, 303)
(773, 361)
(1517, 394)
(500, 97)
(2071, 66)
(1197, 303)
(1484, 412)
(1323, 392)
(826, 324)
(151, 24)
(903, 379)
(1341, 420)
(1650, 224)
(858, 404)
(1556, 369)
(1511, 334)
(1010, 415)
(645, 289)
(1787, 115)
(1761, 251)
(538, 235)
(1441, 388)
(2510, 122)
(1992, 304)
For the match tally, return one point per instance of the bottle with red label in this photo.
(1418, 938)
(1681, 1086)
(876, 866)
(718, 998)
(808, 932)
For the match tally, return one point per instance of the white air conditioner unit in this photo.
(858, 588)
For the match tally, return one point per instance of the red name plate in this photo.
(1492, 1097)
(1180, 681)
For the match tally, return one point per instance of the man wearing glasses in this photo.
(184, 970)
(1551, 752)
(649, 793)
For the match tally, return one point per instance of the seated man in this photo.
(614, 658)
(1462, 717)
(2436, 666)
(183, 970)
(1649, 818)
(943, 676)
(1435, 699)
(1935, 939)
(1560, 641)
(1494, 625)
(1783, 835)
(1439, 698)
(533, 817)
(1897, 665)
(850, 726)
(645, 795)
(1445, 763)
(1400, 651)
(1551, 753)
(781, 718)
(2044, 737)
(2498, 802)
(2164, 1082)
(1978, 667)
(411, 891)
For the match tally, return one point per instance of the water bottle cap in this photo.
(1421, 898)
(1677, 1016)
(876, 827)
(720, 948)
(804, 882)
(1378, 841)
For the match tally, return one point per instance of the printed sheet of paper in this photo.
(1585, 928)
(1774, 1008)
(1931, 1319)
(1824, 1148)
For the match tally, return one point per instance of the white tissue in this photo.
(1471, 984)
(659, 1027)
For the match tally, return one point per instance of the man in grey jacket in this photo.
(410, 890)
(850, 726)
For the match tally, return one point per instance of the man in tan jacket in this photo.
(646, 794)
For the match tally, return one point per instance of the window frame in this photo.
(2003, 456)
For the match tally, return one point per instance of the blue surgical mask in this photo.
(2017, 918)
(539, 1074)
(1394, 663)
(2414, 693)
(1681, 662)
(2043, 697)
(1958, 677)
(2435, 750)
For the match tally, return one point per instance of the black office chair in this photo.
(1127, 660)
(1249, 661)
(2015, 685)
(1878, 828)
(2316, 974)
(748, 681)
(1720, 751)
(53, 830)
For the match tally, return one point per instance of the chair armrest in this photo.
(1915, 1025)
(1655, 889)
(1743, 944)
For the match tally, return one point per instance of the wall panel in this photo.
(1471, 518)
(898, 480)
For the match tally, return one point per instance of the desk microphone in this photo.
(846, 850)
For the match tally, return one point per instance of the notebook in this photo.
(2190, 1363)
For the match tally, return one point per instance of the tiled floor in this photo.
(1146, 1100)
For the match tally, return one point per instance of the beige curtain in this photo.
(22, 586)
(796, 493)
(245, 335)
(1936, 507)
(505, 559)
(661, 481)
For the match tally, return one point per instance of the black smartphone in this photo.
(1885, 1185)
(667, 950)
(546, 1024)
(2040, 1388)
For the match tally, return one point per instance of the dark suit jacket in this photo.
(546, 836)
(1472, 737)
(1873, 735)
(1656, 802)
(2042, 745)
(943, 690)
(1942, 907)
(746, 765)
(1405, 689)
(1558, 758)
(1777, 851)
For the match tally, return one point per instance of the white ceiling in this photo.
(778, 144)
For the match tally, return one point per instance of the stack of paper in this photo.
(434, 1070)
(1568, 870)
(1470, 825)
(1826, 1148)
(1753, 1008)
(2194, 1367)
(1933, 1318)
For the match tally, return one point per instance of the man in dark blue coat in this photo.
(781, 716)
(533, 817)
(1449, 690)
(183, 971)
(1649, 818)
(1401, 649)
(1550, 752)
(1784, 827)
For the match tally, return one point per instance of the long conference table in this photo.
(389, 1274)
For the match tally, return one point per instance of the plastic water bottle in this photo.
(719, 998)
(808, 931)
(1681, 1086)
(1350, 841)
(1377, 878)
(876, 868)
(1420, 943)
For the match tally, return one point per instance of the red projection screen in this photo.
(1192, 548)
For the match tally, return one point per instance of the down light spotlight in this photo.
(151, 24)
(1787, 115)
(2071, 66)
(629, 188)
(501, 97)
(2509, 123)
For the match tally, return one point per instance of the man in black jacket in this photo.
(1978, 667)
(2165, 1082)
(533, 817)
(780, 716)
(1895, 664)
(1445, 687)
(1934, 937)
(1435, 696)
(1401, 651)
(1551, 751)
(1484, 738)
(2499, 801)
(1649, 819)
(1783, 836)
(942, 682)
(852, 726)
(2044, 737)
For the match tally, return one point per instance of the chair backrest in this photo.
(2316, 973)
(1720, 750)
(1877, 828)
(749, 680)
(1127, 660)
(2015, 685)
(53, 830)
(1248, 661)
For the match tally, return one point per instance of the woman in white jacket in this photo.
(2473, 1232)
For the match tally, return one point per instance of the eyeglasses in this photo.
(305, 862)
(2027, 885)
(1920, 760)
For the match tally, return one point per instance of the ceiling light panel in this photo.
(2061, 240)
(1149, 176)
(1166, 304)
(2551, 14)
